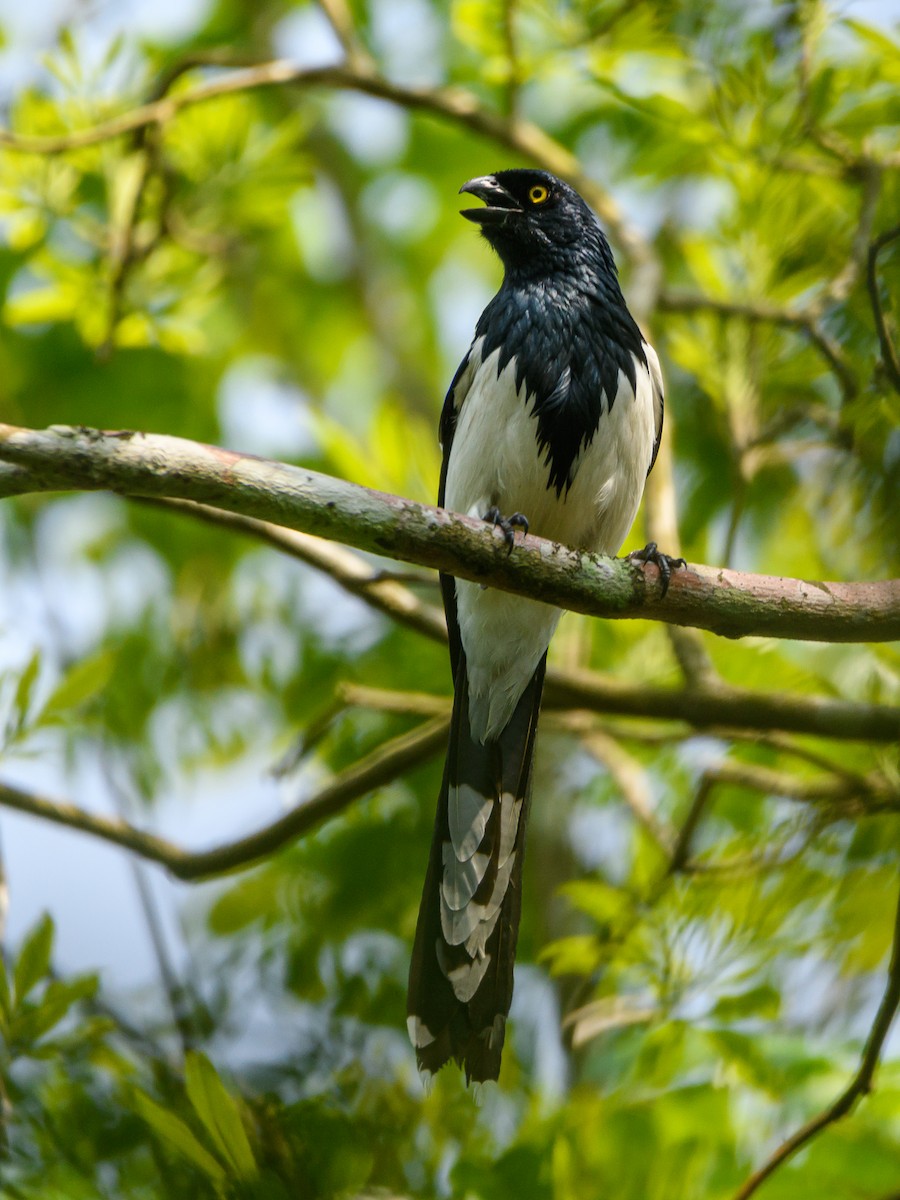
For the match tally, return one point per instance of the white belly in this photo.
(494, 462)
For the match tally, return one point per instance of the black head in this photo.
(536, 223)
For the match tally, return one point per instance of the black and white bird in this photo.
(552, 422)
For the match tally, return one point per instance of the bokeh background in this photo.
(708, 912)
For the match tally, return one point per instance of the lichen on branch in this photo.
(730, 603)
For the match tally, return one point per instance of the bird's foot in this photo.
(664, 563)
(508, 525)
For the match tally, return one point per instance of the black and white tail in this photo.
(461, 975)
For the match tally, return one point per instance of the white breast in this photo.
(494, 462)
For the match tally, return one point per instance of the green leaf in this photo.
(877, 39)
(5, 998)
(42, 305)
(575, 955)
(174, 1131)
(219, 1112)
(33, 1021)
(605, 904)
(34, 958)
(762, 1001)
(22, 696)
(80, 683)
(24, 229)
(127, 180)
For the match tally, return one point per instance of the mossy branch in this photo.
(730, 603)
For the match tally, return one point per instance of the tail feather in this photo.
(461, 976)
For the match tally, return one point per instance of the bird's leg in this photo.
(507, 524)
(664, 563)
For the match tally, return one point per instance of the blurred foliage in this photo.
(282, 270)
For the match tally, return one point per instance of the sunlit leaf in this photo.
(176, 1134)
(80, 684)
(762, 1001)
(33, 960)
(41, 305)
(21, 705)
(219, 1113)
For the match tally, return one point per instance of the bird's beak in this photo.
(500, 204)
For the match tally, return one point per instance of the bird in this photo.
(551, 424)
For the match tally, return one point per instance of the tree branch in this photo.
(633, 781)
(804, 320)
(704, 703)
(852, 795)
(722, 708)
(860, 1085)
(352, 573)
(513, 65)
(680, 850)
(888, 352)
(384, 764)
(730, 603)
(340, 18)
(388, 762)
(454, 104)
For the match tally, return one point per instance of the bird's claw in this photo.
(664, 563)
(508, 525)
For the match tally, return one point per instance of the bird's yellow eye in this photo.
(538, 194)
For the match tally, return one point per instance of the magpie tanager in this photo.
(555, 413)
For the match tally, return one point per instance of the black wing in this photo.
(453, 402)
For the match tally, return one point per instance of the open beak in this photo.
(499, 203)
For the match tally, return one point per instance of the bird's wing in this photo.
(453, 401)
(656, 380)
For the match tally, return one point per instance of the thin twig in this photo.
(514, 79)
(384, 764)
(888, 352)
(452, 104)
(172, 989)
(682, 847)
(787, 745)
(340, 18)
(845, 280)
(856, 795)
(632, 781)
(407, 704)
(829, 141)
(860, 1085)
(758, 862)
(121, 254)
(847, 796)
(375, 587)
(309, 737)
(132, 185)
(805, 321)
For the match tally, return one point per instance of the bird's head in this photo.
(536, 222)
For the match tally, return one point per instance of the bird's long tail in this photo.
(461, 974)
